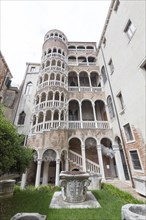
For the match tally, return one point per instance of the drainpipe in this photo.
(118, 121)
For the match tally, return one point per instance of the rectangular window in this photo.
(111, 66)
(135, 160)
(128, 132)
(104, 41)
(116, 5)
(143, 64)
(32, 69)
(120, 100)
(129, 29)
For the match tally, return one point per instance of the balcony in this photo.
(84, 89)
(49, 104)
(51, 83)
(70, 125)
(55, 68)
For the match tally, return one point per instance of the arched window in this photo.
(58, 77)
(57, 96)
(48, 63)
(103, 73)
(62, 116)
(56, 115)
(58, 63)
(52, 76)
(59, 51)
(34, 119)
(46, 77)
(110, 107)
(62, 97)
(62, 78)
(50, 95)
(28, 89)
(54, 50)
(49, 51)
(21, 118)
(63, 65)
(53, 62)
(43, 97)
(48, 116)
(40, 117)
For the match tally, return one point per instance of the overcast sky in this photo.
(24, 24)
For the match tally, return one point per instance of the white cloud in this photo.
(24, 24)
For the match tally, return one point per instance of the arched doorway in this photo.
(48, 167)
(91, 153)
(75, 154)
(109, 162)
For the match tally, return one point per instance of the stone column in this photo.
(93, 106)
(119, 163)
(66, 164)
(44, 120)
(90, 82)
(83, 158)
(36, 124)
(59, 117)
(78, 81)
(23, 180)
(57, 172)
(80, 108)
(38, 173)
(52, 115)
(45, 173)
(101, 162)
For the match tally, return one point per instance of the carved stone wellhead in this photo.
(74, 186)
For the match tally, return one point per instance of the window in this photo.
(121, 102)
(111, 66)
(143, 64)
(28, 89)
(135, 160)
(110, 107)
(128, 132)
(32, 69)
(104, 41)
(21, 118)
(103, 73)
(116, 5)
(129, 29)
(8, 82)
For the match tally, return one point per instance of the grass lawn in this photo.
(110, 198)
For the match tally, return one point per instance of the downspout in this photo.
(118, 121)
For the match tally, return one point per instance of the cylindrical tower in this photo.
(51, 96)
(48, 135)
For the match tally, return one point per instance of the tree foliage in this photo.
(14, 158)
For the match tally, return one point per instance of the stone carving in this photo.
(134, 212)
(74, 186)
(49, 155)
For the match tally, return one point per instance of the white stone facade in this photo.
(123, 42)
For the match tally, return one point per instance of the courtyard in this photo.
(38, 200)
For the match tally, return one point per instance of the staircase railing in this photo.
(90, 165)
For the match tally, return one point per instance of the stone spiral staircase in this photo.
(75, 159)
